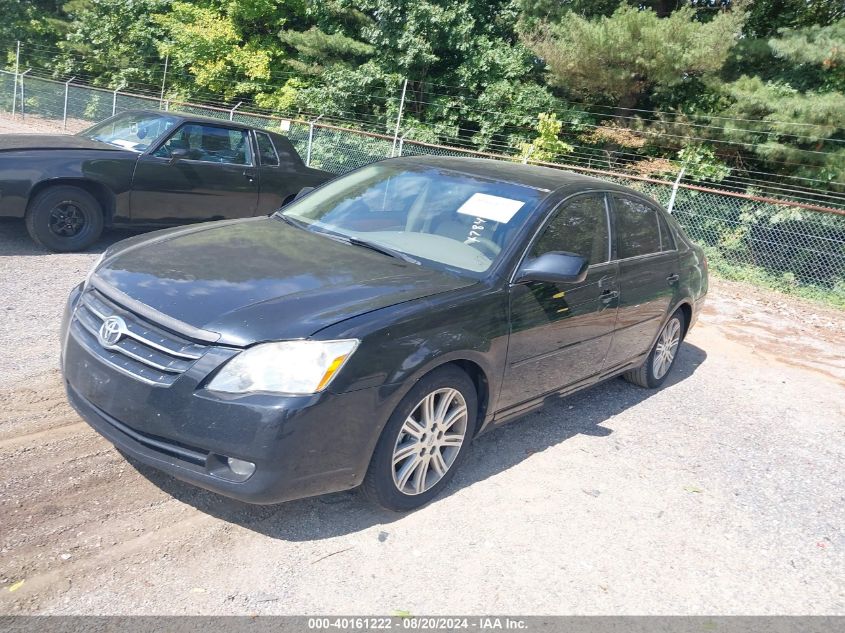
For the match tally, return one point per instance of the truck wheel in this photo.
(64, 219)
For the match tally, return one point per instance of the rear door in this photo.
(561, 332)
(216, 180)
(648, 276)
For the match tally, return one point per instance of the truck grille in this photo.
(144, 351)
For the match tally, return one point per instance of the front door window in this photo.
(209, 144)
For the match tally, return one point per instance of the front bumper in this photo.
(301, 445)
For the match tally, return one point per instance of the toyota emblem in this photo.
(111, 331)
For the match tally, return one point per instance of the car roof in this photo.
(187, 116)
(534, 176)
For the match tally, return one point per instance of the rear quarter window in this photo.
(667, 238)
(285, 150)
(637, 230)
(266, 150)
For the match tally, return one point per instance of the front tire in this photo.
(64, 219)
(653, 372)
(424, 441)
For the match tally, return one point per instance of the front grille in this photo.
(146, 352)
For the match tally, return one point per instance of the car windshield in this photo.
(438, 217)
(134, 131)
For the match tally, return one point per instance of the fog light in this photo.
(240, 467)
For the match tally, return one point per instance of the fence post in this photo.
(401, 144)
(64, 112)
(399, 117)
(22, 94)
(310, 140)
(232, 111)
(675, 190)
(163, 79)
(15, 85)
(528, 154)
(114, 98)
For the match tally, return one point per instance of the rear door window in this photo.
(637, 231)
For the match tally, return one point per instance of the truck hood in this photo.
(262, 279)
(11, 142)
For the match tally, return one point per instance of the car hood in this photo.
(11, 142)
(262, 279)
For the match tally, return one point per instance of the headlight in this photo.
(94, 268)
(294, 367)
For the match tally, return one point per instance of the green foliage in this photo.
(817, 49)
(320, 48)
(114, 41)
(623, 56)
(767, 17)
(786, 282)
(700, 163)
(547, 147)
(41, 21)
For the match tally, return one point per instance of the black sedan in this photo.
(366, 333)
(147, 169)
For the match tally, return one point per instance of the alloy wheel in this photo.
(429, 441)
(667, 347)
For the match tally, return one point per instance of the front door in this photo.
(216, 179)
(560, 333)
(648, 277)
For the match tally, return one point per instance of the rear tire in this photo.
(653, 372)
(64, 219)
(424, 441)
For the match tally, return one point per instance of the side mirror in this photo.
(302, 192)
(554, 267)
(177, 154)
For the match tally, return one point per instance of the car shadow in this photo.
(15, 241)
(498, 450)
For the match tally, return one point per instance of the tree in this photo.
(631, 53)
(114, 41)
(30, 21)
(765, 18)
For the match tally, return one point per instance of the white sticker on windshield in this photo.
(482, 205)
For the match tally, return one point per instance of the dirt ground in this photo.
(721, 493)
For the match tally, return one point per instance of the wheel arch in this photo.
(470, 364)
(481, 381)
(101, 193)
(686, 309)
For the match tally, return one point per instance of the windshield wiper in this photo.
(297, 223)
(385, 250)
(348, 239)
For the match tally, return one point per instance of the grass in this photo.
(786, 283)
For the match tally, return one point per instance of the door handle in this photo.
(673, 278)
(609, 295)
(249, 175)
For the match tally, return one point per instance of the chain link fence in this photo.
(784, 244)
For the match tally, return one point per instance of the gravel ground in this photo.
(721, 493)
